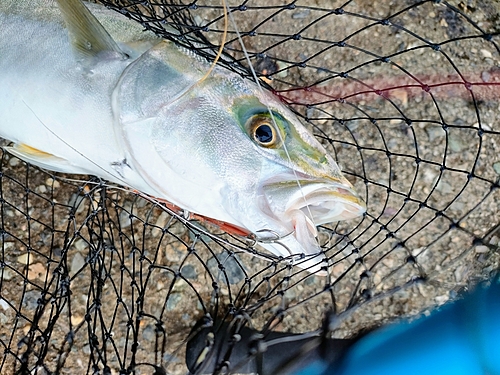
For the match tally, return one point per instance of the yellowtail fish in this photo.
(85, 90)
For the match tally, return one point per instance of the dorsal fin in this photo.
(88, 36)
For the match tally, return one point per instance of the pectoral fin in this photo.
(42, 159)
(88, 36)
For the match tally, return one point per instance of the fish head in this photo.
(224, 148)
(300, 185)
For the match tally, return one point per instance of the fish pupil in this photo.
(264, 134)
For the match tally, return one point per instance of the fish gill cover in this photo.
(403, 94)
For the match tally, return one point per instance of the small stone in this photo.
(126, 219)
(194, 234)
(80, 245)
(482, 249)
(389, 211)
(13, 162)
(169, 358)
(76, 201)
(76, 319)
(4, 319)
(4, 305)
(77, 263)
(36, 271)
(42, 189)
(442, 299)
(456, 144)
(189, 272)
(283, 72)
(30, 300)
(444, 187)
(25, 258)
(230, 265)
(494, 240)
(149, 333)
(434, 132)
(6, 274)
(486, 53)
(173, 301)
(162, 219)
(50, 182)
(496, 167)
(301, 14)
(290, 295)
(311, 280)
(485, 76)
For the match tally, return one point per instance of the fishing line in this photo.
(74, 149)
(256, 79)
(221, 48)
(212, 65)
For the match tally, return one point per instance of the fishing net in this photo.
(404, 94)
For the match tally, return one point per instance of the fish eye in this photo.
(263, 132)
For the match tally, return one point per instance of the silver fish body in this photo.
(133, 109)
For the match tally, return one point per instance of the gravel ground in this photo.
(114, 268)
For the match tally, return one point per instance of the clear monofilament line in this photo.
(256, 79)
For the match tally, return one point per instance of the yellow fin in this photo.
(88, 36)
(42, 159)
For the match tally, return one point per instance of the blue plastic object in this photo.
(460, 339)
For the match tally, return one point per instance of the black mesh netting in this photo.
(404, 94)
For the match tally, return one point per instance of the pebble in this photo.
(30, 300)
(456, 144)
(80, 245)
(162, 219)
(25, 258)
(434, 132)
(173, 301)
(495, 241)
(281, 65)
(194, 234)
(125, 220)
(301, 14)
(442, 299)
(6, 275)
(13, 162)
(444, 187)
(36, 271)
(290, 294)
(4, 305)
(486, 53)
(52, 183)
(169, 358)
(76, 319)
(189, 272)
(4, 319)
(231, 267)
(485, 76)
(77, 263)
(76, 201)
(496, 167)
(149, 333)
(42, 189)
(482, 249)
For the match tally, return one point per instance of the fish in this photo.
(84, 90)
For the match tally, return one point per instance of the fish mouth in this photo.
(321, 201)
(300, 205)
